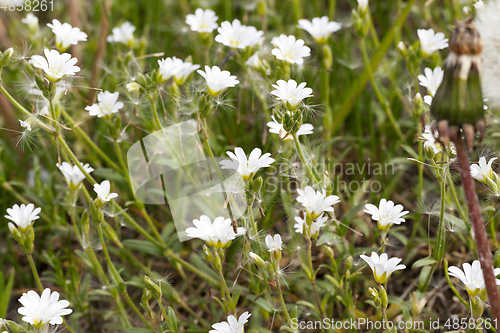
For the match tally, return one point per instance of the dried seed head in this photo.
(465, 39)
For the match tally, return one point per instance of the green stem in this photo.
(156, 117)
(313, 279)
(282, 301)
(35, 272)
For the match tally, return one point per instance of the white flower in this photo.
(23, 216)
(430, 41)
(47, 309)
(31, 21)
(123, 34)
(428, 99)
(277, 128)
(319, 28)
(479, 5)
(217, 80)
(175, 67)
(247, 168)
(362, 5)
(432, 79)
(73, 175)
(57, 65)
(202, 20)
(487, 24)
(290, 93)
(106, 106)
(316, 202)
(238, 36)
(66, 35)
(382, 267)
(103, 192)
(472, 276)
(289, 49)
(430, 143)
(483, 171)
(386, 214)
(232, 325)
(25, 124)
(220, 233)
(316, 225)
(274, 243)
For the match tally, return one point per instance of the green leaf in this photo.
(142, 246)
(423, 262)
(5, 291)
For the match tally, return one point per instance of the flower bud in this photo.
(257, 260)
(327, 56)
(348, 263)
(209, 257)
(257, 185)
(6, 56)
(383, 297)
(133, 86)
(217, 263)
(402, 49)
(153, 288)
(374, 296)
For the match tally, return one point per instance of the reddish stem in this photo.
(478, 226)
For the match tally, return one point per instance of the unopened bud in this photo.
(6, 56)
(152, 287)
(257, 260)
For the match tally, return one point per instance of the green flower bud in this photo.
(374, 296)
(348, 263)
(257, 260)
(257, 184)
(152, 287)
(327, 56)
(209, 257)
(217, 263)
(383, 298)
(6, 56)
(403, 51)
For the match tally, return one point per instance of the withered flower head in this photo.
(458, 103)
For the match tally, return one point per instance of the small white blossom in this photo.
(316, 202)
(217, 80)
(123, 34)
(430, 143)
(432, 79)
(73, 175)
(23, 216)
(315, 227)
(41, 310)
(362, 5)
(382, 267)
(247, 168)
(254, 60)
(176, 68)
(290, 49)
(103, 192)
(55, 65)
(66, 35)
(483, 172)
(428, 99)
(472, 276)
(25, 124)
(202, 20)
(220, 233)
(320, 28)
(31, 21)
(274, 243)
(277, 128)
(238, 36)
(386, 214)
(289, 93)
(232, 325)
(430, 41)
(107, 104)
(479, 5)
